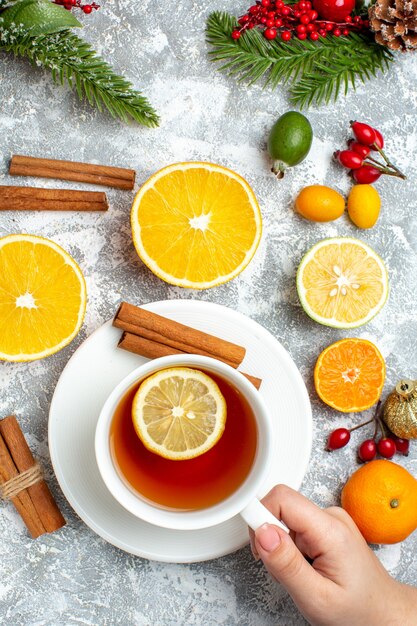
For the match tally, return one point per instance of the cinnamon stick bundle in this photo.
(39, 199)
(118, 177)
(34, 503)
(160, 329)
(153, 336)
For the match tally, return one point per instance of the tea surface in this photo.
(195, 483)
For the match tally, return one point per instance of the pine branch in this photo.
(317, 70)
(73, 61)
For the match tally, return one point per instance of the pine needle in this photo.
(317, 71)
(71, 60)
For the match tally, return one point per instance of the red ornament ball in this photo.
(334, 10)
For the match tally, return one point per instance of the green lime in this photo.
(289, 141)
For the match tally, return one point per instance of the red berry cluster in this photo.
(386, 446)
(364, 168)
(299, 19)
(77, 4)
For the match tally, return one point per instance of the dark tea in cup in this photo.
(191, 484)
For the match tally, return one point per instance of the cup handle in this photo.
(255, 514)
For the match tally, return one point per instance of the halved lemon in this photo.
(179, 413)
(342, 282)
(196, 224)
(42, 298)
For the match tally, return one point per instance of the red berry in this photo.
(334, 10)
(278, 23)
(366, 175)
(379, 140)
(357, 19)
(270, 33)
(313, 15)
(337, 32)
(263, 20)
(271, 15)
(308, 6)
(338, 439)
(285, 11)
(349, 159)
(362, 150)
(314, 36)
(367, 450)
(322, 32)
(253, 10)
(305, 19)
(297, 14)
(301, 28)
(265, 3)
(236, 34)
(269, 23)
(302, 5)
(285, 35)
(68, 7)
(364, 133)
(348, 19)
(244, 19)
(302, 36)
(386, 447)
(402, 445)
(87, 8)
(328, 27)
(345, 32)
(279, 4)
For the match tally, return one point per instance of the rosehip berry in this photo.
(302, 36)
(367, 450)
(285, 35)
(285, 11)
(337, 32)
(362, 150)
(386, 447)
(271, 15)
(338, 439)
(328, 27)
(270, 33)
(313, 15)
(349, 159)
(265, 3)
(301, 28)
(87, 8)
(366, 175)
(305, 19)
(278, 23)
(402, 445)
(310, 28)
(364, 133)
(314, 36)
(379, 140)
(269, 23)
(236, 34)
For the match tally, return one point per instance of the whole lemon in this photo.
(364, 204)
(320, 203)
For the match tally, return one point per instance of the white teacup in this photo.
(243, 501)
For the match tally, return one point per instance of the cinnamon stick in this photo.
(21, 501)
(43, 502)
(148, 325)
(153, 350)
(38, 199)
(118, 177)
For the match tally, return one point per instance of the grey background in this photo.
(73, 577)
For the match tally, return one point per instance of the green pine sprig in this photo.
(318, 71)
(73, 61)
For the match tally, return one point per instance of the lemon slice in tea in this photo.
(179, 413)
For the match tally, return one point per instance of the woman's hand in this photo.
(327, 567)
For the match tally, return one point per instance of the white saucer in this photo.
(97, 366)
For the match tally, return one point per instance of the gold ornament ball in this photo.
(400, 410)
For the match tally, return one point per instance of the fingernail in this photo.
(268, 537)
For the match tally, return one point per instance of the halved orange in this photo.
(196, 224)
(42, 298)
(349, 375)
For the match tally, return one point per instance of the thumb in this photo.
(285, 562)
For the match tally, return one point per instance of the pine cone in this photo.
(394, 23)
